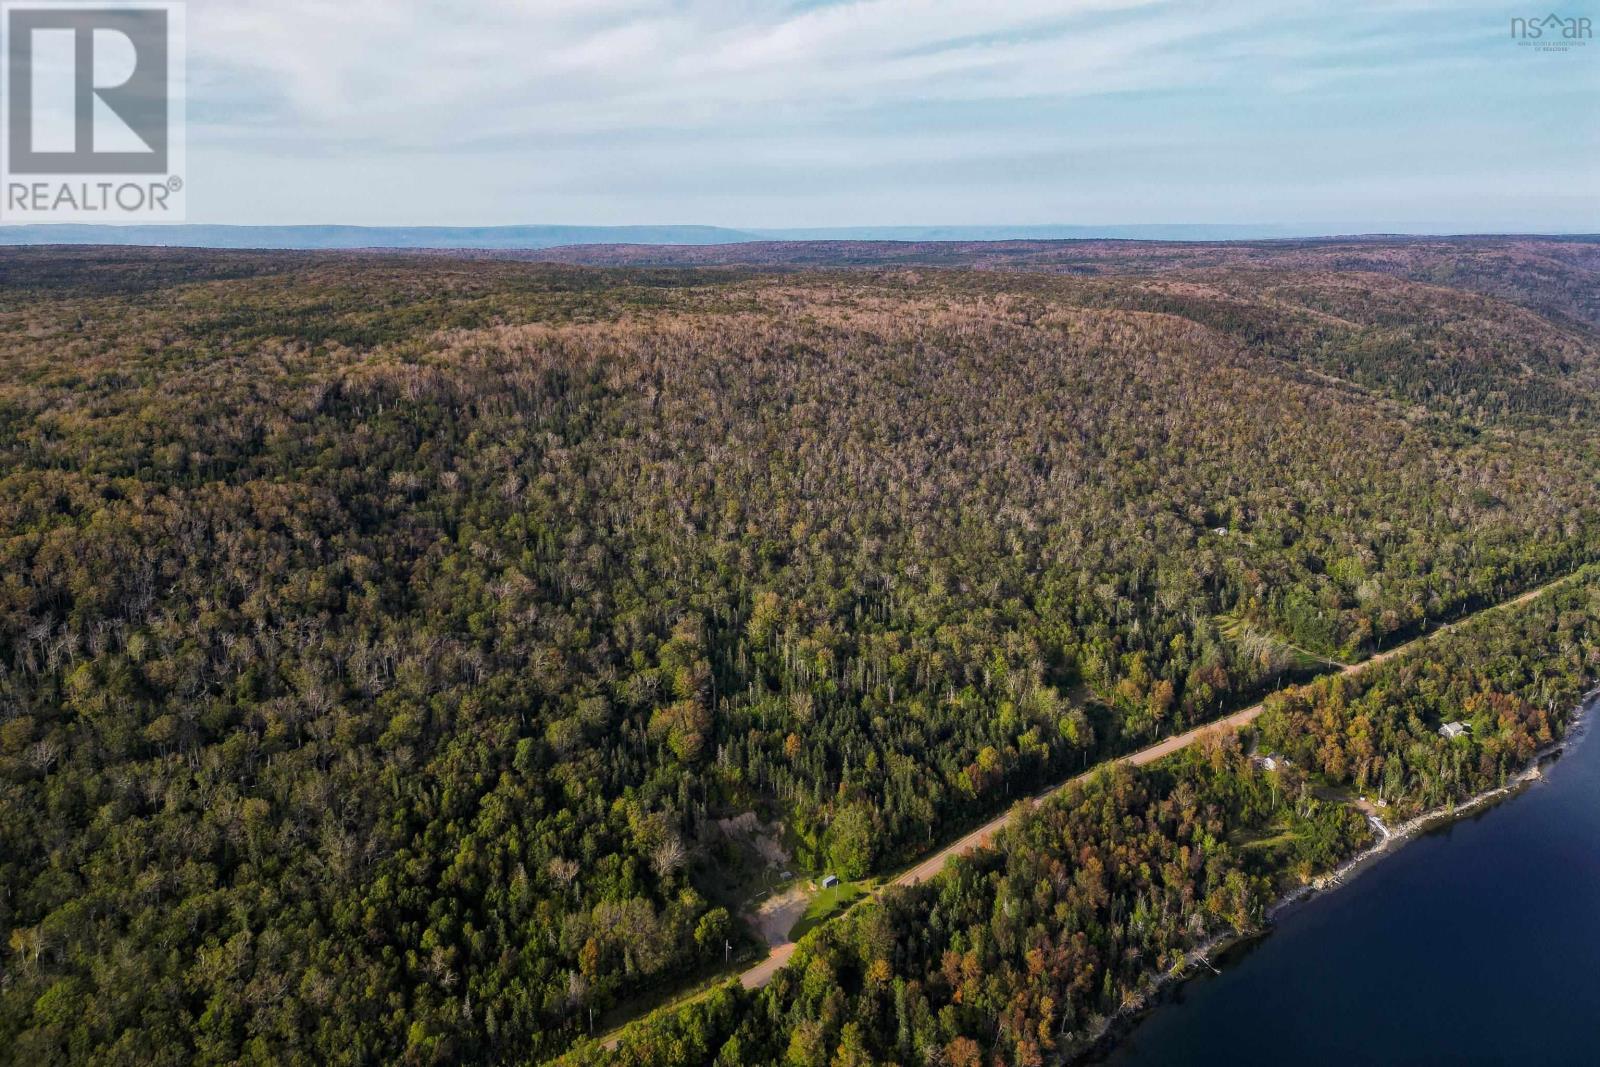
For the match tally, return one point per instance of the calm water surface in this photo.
(1478, 943)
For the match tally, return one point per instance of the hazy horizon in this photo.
(1105, 113)
(536, 236)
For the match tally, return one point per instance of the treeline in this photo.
(1020, 954)
(381, 638)
(1558, 277)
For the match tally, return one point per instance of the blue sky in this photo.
(1336, 113)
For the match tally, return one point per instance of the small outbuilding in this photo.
(1453, 730)
(829, 881)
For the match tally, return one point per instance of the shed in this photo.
(1453, 730)
(829, 881)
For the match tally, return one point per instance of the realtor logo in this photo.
(93, 110)
(1552, 33)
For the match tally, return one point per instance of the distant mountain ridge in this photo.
(314, 237)
(535, 237)
(1140, 232)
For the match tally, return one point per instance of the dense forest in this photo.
(383, 640)
(1556, 276)
(1021, 954)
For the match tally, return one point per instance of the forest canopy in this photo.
(383, 640)
(1026, 953)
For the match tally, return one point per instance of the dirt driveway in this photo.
(776, 915)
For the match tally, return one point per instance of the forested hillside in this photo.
(1553, 275)
(1022, 954)
(382, 638)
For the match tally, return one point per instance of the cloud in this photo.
(671, 106)
(410, 74)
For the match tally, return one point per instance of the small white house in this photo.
(829, 881)
(1453, 730)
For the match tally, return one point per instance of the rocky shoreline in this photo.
(1104, 1035)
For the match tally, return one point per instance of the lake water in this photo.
(1478, 943)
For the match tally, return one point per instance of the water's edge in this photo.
(1109, 1032)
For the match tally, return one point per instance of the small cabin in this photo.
(829, 881)
(1453, 730)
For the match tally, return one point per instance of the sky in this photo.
(1341, 114)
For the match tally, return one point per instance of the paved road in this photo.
(980, 837)
(762, 973)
